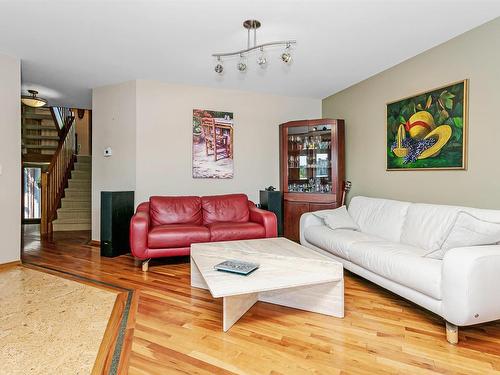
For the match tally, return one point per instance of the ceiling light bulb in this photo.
(242, 66)
(286, 57)
(32, 100)
(219, 68)
(262, 60)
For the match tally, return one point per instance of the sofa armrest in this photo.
(308, 220)
(139, 229)
(471, 276)
(265, 218)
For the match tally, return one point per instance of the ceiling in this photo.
(68, 47)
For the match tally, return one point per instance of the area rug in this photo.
(50, 325)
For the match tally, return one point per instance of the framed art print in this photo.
(429, 130)
(213, 144)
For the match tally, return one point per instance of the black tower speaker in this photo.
(117, 208)
(273, 201)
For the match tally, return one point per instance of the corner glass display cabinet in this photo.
(311, 169)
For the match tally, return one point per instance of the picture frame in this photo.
(428, 130)
(212, 144)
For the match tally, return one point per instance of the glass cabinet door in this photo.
(309, 159)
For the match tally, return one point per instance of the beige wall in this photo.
(10, 159)
(114, 120)
(474, 55)
(159, 161)
(83, 132)
(164, 137)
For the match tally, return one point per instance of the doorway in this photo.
(32, 194)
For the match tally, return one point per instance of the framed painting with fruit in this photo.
(428, 130)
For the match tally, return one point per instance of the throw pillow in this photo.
(337, 218)
(468, 230)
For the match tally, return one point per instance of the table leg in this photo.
(327, 298)
(235, 306)
(197, 280)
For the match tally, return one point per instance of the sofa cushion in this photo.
(236, 231)
(338, 218)
(336, 241)
(175, 210)
(467, 231)
(400, 263)
(225, 208)
(177, 235)
(380, 217)
(427, 225)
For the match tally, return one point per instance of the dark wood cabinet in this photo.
(312, 169)
(293, 210)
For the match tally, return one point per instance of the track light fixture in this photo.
(262, 61)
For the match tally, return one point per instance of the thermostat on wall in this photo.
(108, 152)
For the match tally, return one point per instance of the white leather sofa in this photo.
(392, 248)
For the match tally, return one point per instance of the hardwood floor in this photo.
(177, 330)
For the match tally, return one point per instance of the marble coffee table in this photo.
(289, 275)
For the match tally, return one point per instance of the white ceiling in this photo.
(67, 47)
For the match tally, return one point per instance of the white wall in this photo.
(474, 55)
(159, 162)
(114, 122)
(164, 138)
(10, 159)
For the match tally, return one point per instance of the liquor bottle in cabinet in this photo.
(311, 169)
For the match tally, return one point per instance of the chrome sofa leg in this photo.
(145, 265)
(451, 333)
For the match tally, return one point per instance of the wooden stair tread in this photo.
(73, 220)
(85, 210)
(36, 158)
(37, 116)
(42, 147)
(39, 127)
(58, 227)
(42, 137)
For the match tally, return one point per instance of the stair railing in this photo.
(55, 179)
(62, 117)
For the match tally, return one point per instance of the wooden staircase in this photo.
(75, 213)
(59, 176)
(49, 139)
(40, 134)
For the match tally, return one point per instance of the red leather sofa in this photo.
(167, 226)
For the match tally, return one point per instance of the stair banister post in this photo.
(44, 222)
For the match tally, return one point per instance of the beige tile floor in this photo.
(48, 324)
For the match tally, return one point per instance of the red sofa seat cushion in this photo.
(236, 231)
(225, 208)
(175, 210)
(177, 235)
